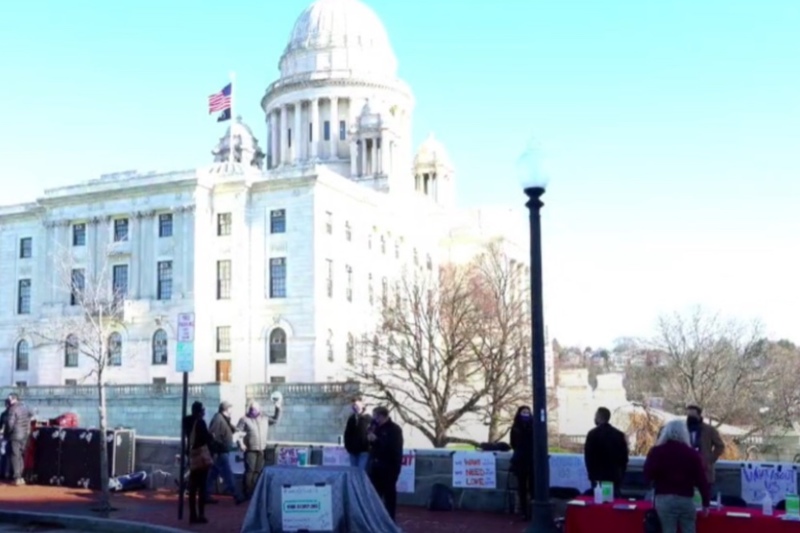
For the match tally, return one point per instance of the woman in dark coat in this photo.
(522, 458)
(197, 436)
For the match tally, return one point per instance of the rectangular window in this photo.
(120, 229)
(326, 130)
(165, 225)
(348, 231)
(289, 137)
(277, 221)
(164, 287)
(71, 382)
(26, 248)
(349, 287)
(79, 235)
(21, 384)
(24, 297)
(159, 381)
(277, 277)
(329, 223)
(119, 282)
(342, 130)
(224, 280)
(329, 278)
(310, 131)
(224, 224)
(78, 286)
(277, 379)
(223, 339)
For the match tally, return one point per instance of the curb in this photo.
(84, 523)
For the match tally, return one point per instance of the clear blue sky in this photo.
(671, 129)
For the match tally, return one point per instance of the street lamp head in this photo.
(529, 168)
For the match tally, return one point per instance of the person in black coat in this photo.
(355, 435)
(385, 457)
(606, 451)
(522, 458)
(197, 436)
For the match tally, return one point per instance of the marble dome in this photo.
(432, 154)
(339, 36)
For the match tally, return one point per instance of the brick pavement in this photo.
(160, 508)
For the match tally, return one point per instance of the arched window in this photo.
(71, 351)
(23, 356)
(277, 346)
(160, 350)
(115, 349)
(351, 349)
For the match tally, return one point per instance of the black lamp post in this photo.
(534, 183)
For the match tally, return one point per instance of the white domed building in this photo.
(282, 252)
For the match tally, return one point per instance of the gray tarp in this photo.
(356, 506)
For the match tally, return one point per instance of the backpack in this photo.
(441, 498)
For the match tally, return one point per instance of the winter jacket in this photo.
(355, 433)
(18, 425)
(256, 430)
(222, 431)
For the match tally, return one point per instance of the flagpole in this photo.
(233, 116)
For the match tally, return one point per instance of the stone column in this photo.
(273, 135)
(284, 137)
(375, 169)
(363, 157)
(353, 159)
(334, 121)
(297, 133)
(314, 118)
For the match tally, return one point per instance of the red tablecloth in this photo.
(605, 519)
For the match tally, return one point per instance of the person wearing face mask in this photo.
(255, 426)
(522, 458)
(605, 452)
(705, 439)
(356, 431)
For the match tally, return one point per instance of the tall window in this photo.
(310, 132)
(328, 222)
(224, 280)
(71, 351)
(383, 244)
(370, 290)
(329, 278)
(384, 291)
(277, 221)
(224, 224)
(342, 130)
(348, 231)
(223, 339)
(22, 356)
(165, 225)
(416, 257)
(24, 297)
(376, 355)
(164, 287)
(120, 229)
(79, 234)
(277, 346)
(26, 248)
(351, 349)
(329, 346)
(78, 286)
(115, 349)
(397, 250)
(428, 262)
(160, 350)
(349, 287)
(326, 130)
(277, 277)
(119, 282)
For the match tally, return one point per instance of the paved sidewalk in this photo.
(160, 508)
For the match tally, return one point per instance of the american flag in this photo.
(220, 101)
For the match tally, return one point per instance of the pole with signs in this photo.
(184, 362)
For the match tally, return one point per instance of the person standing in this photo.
(5, 445)
(255, 426)
(385, 458)
(355, 434)
(18, 430)
(705, 439)
(222, 430)
(522, 458)
(198, 448)
(605, 452)
(675, 469)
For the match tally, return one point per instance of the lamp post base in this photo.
(541, 518)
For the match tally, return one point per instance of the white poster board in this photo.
(335, 456)
(289, 455)
(406, 483)
(236, 460)
(474, 470)
(306, 508)
(777, 479)
(569, 470)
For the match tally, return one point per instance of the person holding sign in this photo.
(522, 458)
(676, 470)
(386, 457)
(606, 452)
(255, 426)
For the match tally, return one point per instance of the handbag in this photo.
(200, 457)
(652, 524)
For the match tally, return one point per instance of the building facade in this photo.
(283, 253)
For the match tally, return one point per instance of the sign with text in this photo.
(775, 479)
(186, 327)
(184, 356)
(569, 470)
(474, 470)
(335, 456)
(306, 508)
(292, 455)
(405, 483)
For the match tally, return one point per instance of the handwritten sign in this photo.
(474, 470)
(405, 483)
(335, 456)
(306, 508)
(292, 456)
(777, 479)
(569, 470)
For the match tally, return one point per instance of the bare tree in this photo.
(90, 329)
